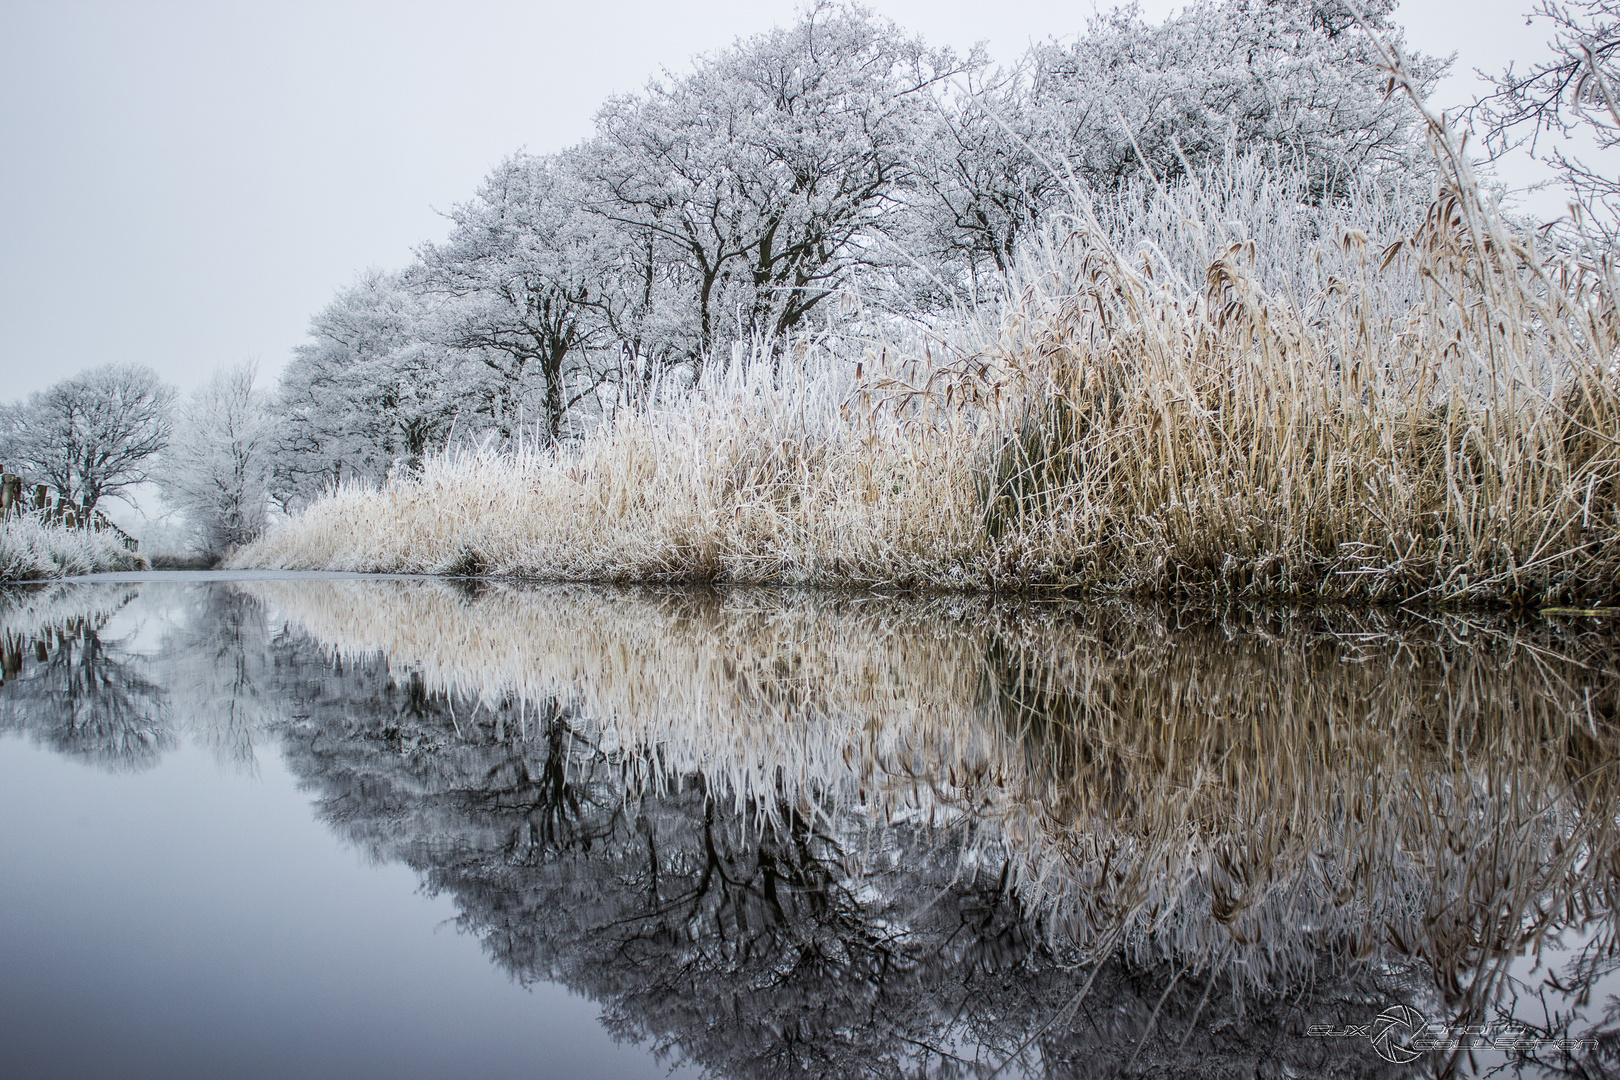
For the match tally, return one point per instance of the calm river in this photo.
(341, 827)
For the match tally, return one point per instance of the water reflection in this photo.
(782, 834)
(69, 689)
(215, 649)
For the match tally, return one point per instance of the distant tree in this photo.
(217, 468)
(1577, 91)
(367, 390)
(91, 436)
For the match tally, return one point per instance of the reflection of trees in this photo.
(77, 691)
(758, 936)
(1242, 817)
(805, 835)
(215, 662)
(70, 690)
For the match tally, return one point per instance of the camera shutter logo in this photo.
(1391, 1034)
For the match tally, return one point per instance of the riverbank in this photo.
(1219, 389)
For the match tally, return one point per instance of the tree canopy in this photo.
(725, 205)
(90, 436)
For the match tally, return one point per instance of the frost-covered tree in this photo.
(729, 202)
(216, 471)
(90, 436)
(989, 172)
(1300, 80)
(525, 275)
(774, 170)
(1295, 83)
(1575, 92)
(368, 389)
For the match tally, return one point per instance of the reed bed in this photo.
(754, 476)
(31, 550)
(1214, 387)
(1236, 792)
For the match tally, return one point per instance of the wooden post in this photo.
(40, 499)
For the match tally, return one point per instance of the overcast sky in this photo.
(183, 184)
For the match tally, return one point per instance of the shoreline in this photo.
(1192, 602)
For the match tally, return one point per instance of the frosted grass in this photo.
(756, 475)
(31, 550)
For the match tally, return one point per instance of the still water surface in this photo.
(407, 828)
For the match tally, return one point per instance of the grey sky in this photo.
(183, 184)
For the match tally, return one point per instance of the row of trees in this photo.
(837, 156)
(108, 429)
(726, 204)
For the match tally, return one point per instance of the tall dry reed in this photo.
(763, 473)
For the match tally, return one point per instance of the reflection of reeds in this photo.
(1253, 790)
(30, 612)
(1437, 788)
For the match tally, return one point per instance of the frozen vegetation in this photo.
(1210, 306)
(1209, 385)
(30, 549)
(1089, 324)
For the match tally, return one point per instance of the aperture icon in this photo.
(1392, 1033)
